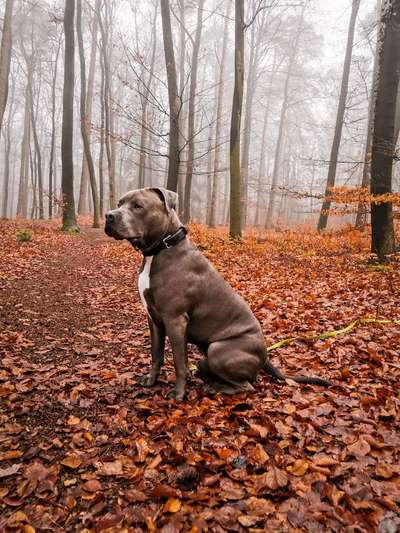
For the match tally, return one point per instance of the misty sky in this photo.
(333, 16)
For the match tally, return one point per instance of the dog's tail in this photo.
(277, 374)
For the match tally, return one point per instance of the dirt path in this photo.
(83, 447)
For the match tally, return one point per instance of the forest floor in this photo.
(84, 447)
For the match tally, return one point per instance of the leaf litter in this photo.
(83, 446)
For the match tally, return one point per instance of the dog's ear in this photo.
(170, 198)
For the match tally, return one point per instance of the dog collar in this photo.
(170, 240)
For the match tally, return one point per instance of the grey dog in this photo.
(187, 300)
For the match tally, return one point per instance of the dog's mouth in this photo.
(110, 231)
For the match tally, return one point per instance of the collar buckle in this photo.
(166, 241)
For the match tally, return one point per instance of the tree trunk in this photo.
(362, 211)
(33, 167)
(330, 182)
(173, 98)
(397, 119)
(182, 114)
(107, 111)
(5, 57)
(67, 179)
(212, 215)
(192, 112)
(82, 204)
(250, 90)
(383, 143)
(263, 156)
(282, 124)
(38, 158)
(7, 148)
(84, 124)
(52, 190)
(235, 226)
(22, 204)
(145, 98)
(102, 137)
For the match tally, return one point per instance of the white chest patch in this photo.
(144, 280)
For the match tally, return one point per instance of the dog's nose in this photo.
(110, 218)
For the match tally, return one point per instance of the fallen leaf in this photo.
(173, 505)
(93, 485)
(298, 468)
(11, 470)
(12, 454)
(360, 448)
(73, 420)
(71, 461)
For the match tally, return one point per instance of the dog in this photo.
(188, 301)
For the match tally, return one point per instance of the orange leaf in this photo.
(72, 461)
(298, 468)
(12, 454)
(172, 505)
(275, 478)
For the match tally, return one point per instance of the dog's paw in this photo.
(148, 381)
(177, 395)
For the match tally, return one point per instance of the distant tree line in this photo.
(165, 99)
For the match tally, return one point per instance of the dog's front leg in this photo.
(176, 331)
(157, 335)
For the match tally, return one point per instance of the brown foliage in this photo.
(83, 445)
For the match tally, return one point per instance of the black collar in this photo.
(170, 240)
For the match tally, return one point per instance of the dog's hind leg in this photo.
(235, 368)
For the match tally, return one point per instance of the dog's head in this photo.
(143, 216)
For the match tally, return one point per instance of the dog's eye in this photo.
(136, 206)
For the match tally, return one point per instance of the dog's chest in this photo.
(144, 280)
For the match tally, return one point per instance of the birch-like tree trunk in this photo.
(145, 101)
(362, 211)
(22, 203)
(108, 136)
(235, 225)
(282, 124)
(251, 81)
(212, 212)
(7, 150)
(333, 159)
(82, 203)
(102, 139)
(52, 190)
(83, 115)
(173, 98)
(192, 111)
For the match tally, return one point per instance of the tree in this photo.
(7, 149)
(235, 226)
(384, 142)
(52, 189)
(362, 210)
(84, 124)
(144, 96)
(173, 98)
(282, 122)
(22, 203)
(212, 211)
(330, 182)
(5, 57)
(109, 129)
(192, 111)
(67, 179)
(82, 209)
